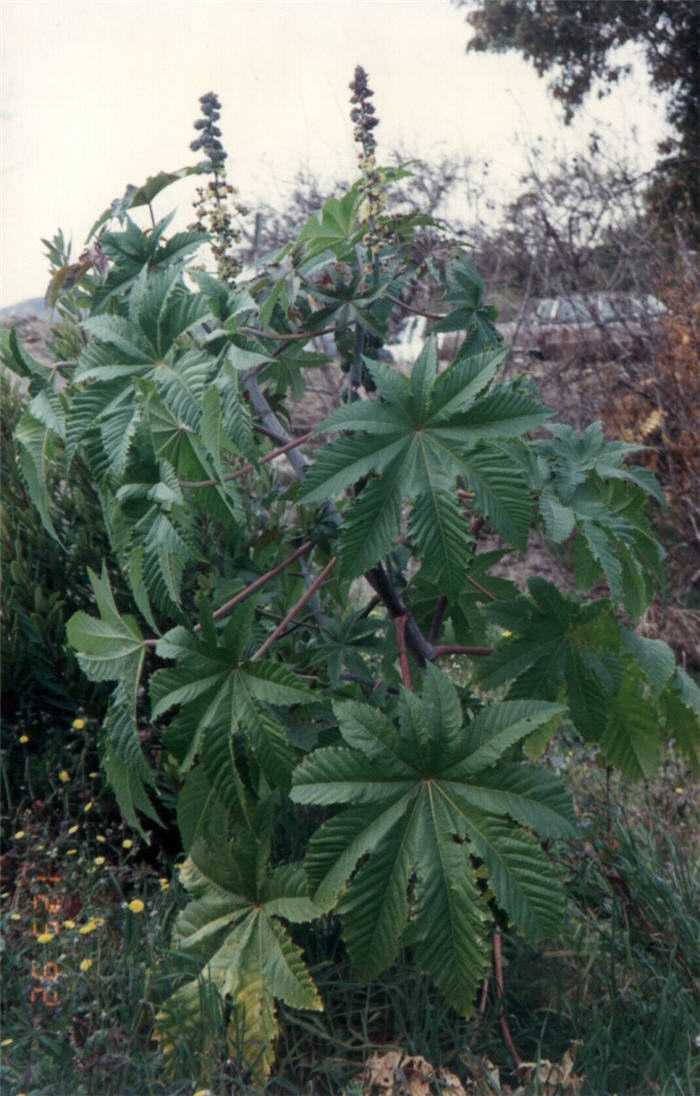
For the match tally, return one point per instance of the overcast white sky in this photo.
(96, 95)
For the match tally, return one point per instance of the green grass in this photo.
(79, 1007)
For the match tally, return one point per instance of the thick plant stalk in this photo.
(400, 625)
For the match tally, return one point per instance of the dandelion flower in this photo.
(63, 776)
(127, 843)
(99, 861)
(19, 835)
(136, 905)
(44, 937)
(69, 924)
(78, 724)
(678, 791)
(85, 964)
(89, 926)
(24, 739)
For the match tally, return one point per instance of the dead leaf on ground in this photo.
(393, 1074)
(552, 1078)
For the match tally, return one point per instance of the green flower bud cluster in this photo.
(215, 203)
(365, 121)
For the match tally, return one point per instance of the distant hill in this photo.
(31, 308)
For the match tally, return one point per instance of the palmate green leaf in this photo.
(36, 445)
(421, 437)
(585, 485)
(220, 694)
(143, 195)
(632, 738)
(374, 521)
(109, 648)
(126, 770)
(655, 658)
(14, 356)
(246, 953)
(682, 722)
(408, 789)
(555, 642)
(437, 527)
(524, 881)
(334, 228)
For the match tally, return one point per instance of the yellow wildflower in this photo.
(127, 843)
(44, 937)
(71, 852)
(69, 924)
(89, 926)
(85, 964)
(101, 838)
(136, 905)
(78, 724)
(88, 806)
(164, 884)
(678, 791)
(19, 835)
(63, 776)
(6, 1042)
(99, 861)
(24, 739)
(73, 829)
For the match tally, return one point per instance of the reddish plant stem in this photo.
(498, 972)
(246, 593)
(458, 649)
(243, 594)
(440, 610)
(400, 625)
(466, 495)
(482, 589)
(416, 311)
(285, 336)
(278, 452)
(306, 596)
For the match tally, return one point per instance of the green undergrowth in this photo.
(86, 963)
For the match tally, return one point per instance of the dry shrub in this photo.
(663, 412)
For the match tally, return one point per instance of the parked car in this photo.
(598, 326)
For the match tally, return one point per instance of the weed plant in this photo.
(347, 812)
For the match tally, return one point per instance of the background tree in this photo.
(579, 40)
